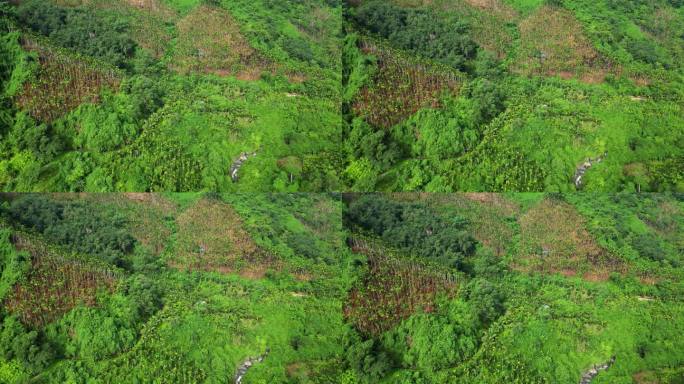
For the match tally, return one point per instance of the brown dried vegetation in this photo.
(554, 239)
(62, 83)
(210, 41)
(55, 284)
(392, 290)
(211, 237)
(553, 43)
(400, 87)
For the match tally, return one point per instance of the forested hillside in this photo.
(311, 288)
(520, 288)
(514, 95)
(169, 95)
(171, 288)
(449, 95)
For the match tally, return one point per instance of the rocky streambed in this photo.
(582, 169)
(247, 364)
(588, 376)
(237, 164)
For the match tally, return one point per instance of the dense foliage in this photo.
(154, 318)
(108, 95)
(505, 319)
(419, 30)
(413, 228)
(546, 87)
(483, 288)
(82, 227)
(102, 36)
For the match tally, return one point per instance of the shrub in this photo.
(298, 48)
(96, 34)
(81, 226)
(422, 31)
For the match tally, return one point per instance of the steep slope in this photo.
(95, 88)
(69, 317)
(587, 288)
(546, 88)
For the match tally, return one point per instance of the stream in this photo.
(235, 167)
(588, 376)
(582, 169)
(247, 364)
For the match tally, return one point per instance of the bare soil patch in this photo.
(553, 43)
(211, 237)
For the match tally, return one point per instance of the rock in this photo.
(242, 369)
(582, 169)
(588, 376)
(235, 167)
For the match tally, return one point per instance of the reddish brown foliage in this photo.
(55, 285)
(62, 83)
(400, 87)
(392, 290)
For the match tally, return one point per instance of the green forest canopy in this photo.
(548, 86)
(106, 96)
(168, 95)
(150, 316)
(486, 288)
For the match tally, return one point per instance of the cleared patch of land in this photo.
(63, 82)
(553, 238)
(211, 237)
(210, 41)
(553, 43)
